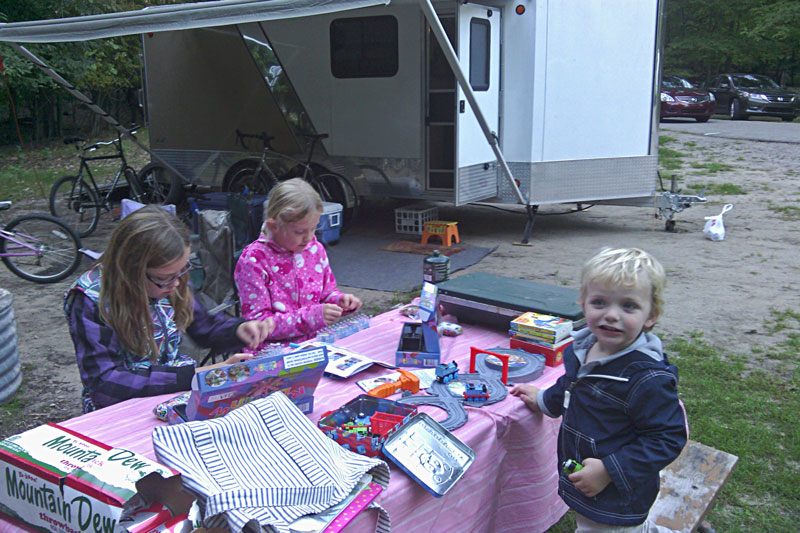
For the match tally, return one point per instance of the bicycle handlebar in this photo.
(76, 140)
(263, 137)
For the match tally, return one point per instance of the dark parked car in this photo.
(679, 98)
(742, 95)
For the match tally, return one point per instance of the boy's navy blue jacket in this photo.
(624, 410)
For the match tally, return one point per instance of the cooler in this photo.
(330, 223)
(482, 298)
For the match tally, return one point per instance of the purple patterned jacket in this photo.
(111, 374)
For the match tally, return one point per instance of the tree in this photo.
(105, 69)
(703, 38)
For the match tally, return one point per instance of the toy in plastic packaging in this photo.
(714, 229)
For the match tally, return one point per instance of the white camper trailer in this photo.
(530, 102)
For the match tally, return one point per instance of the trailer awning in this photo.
(172, 17)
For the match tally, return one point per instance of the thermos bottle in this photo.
(436, 268)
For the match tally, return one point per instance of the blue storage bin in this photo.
(330, 223)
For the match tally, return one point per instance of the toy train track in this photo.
(523, 366)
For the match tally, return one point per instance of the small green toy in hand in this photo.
(571, 466)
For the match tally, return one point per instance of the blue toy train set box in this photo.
(330, 223)
(218, 390)
(419, 341)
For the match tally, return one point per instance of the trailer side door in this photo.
(479, 55)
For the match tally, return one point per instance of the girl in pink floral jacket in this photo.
(285, 274)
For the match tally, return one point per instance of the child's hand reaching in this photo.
(331, 313)
(592, 478)
(254, 332)
(349, 302)
(527, 393)
(235, 358)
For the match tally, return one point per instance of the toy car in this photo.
(570, 466)
(449, 329)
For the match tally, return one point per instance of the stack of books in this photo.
(543, 334)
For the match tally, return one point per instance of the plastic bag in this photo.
(714, 229)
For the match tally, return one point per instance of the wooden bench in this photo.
(690, 485)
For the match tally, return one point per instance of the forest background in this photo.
(702, 38)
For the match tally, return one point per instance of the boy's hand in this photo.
(592, 478)
(527, 393)
(253, 332)
(349, 302)
(331, 313)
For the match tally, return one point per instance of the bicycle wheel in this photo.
(73, 201)
(40, 248)
(159, 185)
(336, 188)
(248, 176)
(135, 189)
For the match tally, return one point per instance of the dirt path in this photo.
(724, 290)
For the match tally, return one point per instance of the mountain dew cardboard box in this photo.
(54, 479)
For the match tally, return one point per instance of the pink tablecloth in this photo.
(511, 486)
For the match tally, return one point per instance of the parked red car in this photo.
(679, 98)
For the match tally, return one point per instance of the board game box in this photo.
(218, 390)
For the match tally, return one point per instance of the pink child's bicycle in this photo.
(38, 247)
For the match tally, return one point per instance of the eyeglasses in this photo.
(164, 283)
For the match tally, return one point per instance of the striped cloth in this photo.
(262, 466)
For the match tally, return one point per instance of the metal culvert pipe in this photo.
(10, 368)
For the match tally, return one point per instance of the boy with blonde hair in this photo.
(618, 398)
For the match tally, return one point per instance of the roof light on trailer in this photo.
(520, 9)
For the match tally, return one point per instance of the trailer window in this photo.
(479, 47)
(364, 47)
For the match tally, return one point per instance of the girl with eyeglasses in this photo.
(128, 314)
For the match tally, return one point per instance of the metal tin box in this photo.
(335, 423)
(429, 453)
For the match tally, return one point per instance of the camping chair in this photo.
(216, 258)
(221, 236)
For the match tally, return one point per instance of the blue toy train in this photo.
(476, 392)
(446, 372)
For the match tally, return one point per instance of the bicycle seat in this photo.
(70, 140)
(5, 204)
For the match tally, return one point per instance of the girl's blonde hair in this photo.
(629, 268)
(290, 201)
(148, 238)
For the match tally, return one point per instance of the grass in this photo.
(711, 168)
(785, 212)
(716, 188)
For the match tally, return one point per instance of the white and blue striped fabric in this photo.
(262, 466)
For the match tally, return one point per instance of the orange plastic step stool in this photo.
(442, 229)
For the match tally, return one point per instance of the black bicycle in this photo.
(38, 247)
(258, 176)
(78, 201)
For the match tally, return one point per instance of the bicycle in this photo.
(259, 176)
(77, 201)
(38, 247)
